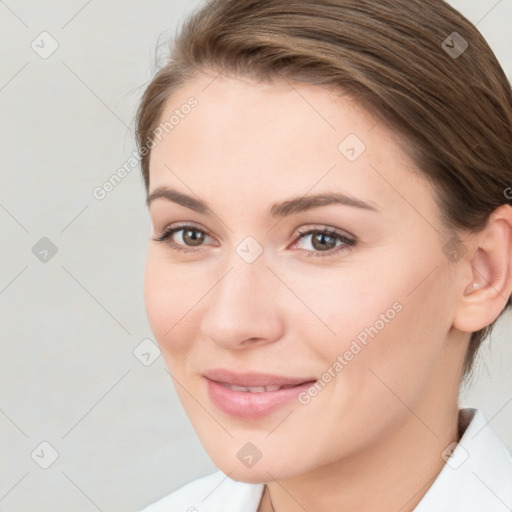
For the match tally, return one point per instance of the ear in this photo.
(485, 293)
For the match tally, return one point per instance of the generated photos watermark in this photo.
(134, 160)
(356, 346)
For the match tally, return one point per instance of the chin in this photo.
(249, 476)
(263, 471)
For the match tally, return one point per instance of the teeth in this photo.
(254, 389)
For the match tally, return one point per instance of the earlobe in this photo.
(486, 293)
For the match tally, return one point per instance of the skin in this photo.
(384, 420)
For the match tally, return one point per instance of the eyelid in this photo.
(316, 228)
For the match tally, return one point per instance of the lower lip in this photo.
(245, 404)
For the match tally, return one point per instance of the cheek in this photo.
(384, 317)
(345, 304)
(400, 348)
(169, 300)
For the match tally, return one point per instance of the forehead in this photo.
(249, 140)
(244, 116)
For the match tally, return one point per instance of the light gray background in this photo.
(69, 376)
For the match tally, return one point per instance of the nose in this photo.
(243, 307)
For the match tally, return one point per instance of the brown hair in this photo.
(452, 105)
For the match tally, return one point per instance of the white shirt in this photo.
(477, 477)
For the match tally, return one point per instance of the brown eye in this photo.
(324, 242)
(183, 238)
(191, 236)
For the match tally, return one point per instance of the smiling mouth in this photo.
(252, 382)
(261, 389)
(251, 396)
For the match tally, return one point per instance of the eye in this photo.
(325, 242)
(183, 238)
(322, 242)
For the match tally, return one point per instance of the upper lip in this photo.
(251, 379)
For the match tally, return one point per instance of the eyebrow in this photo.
(277, 210)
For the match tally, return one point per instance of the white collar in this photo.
(478, 475)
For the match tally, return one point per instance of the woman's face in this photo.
(263, 286)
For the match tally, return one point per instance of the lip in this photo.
(252, 405)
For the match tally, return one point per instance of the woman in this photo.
(331, 241)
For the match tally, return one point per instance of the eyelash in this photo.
(349, 243)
